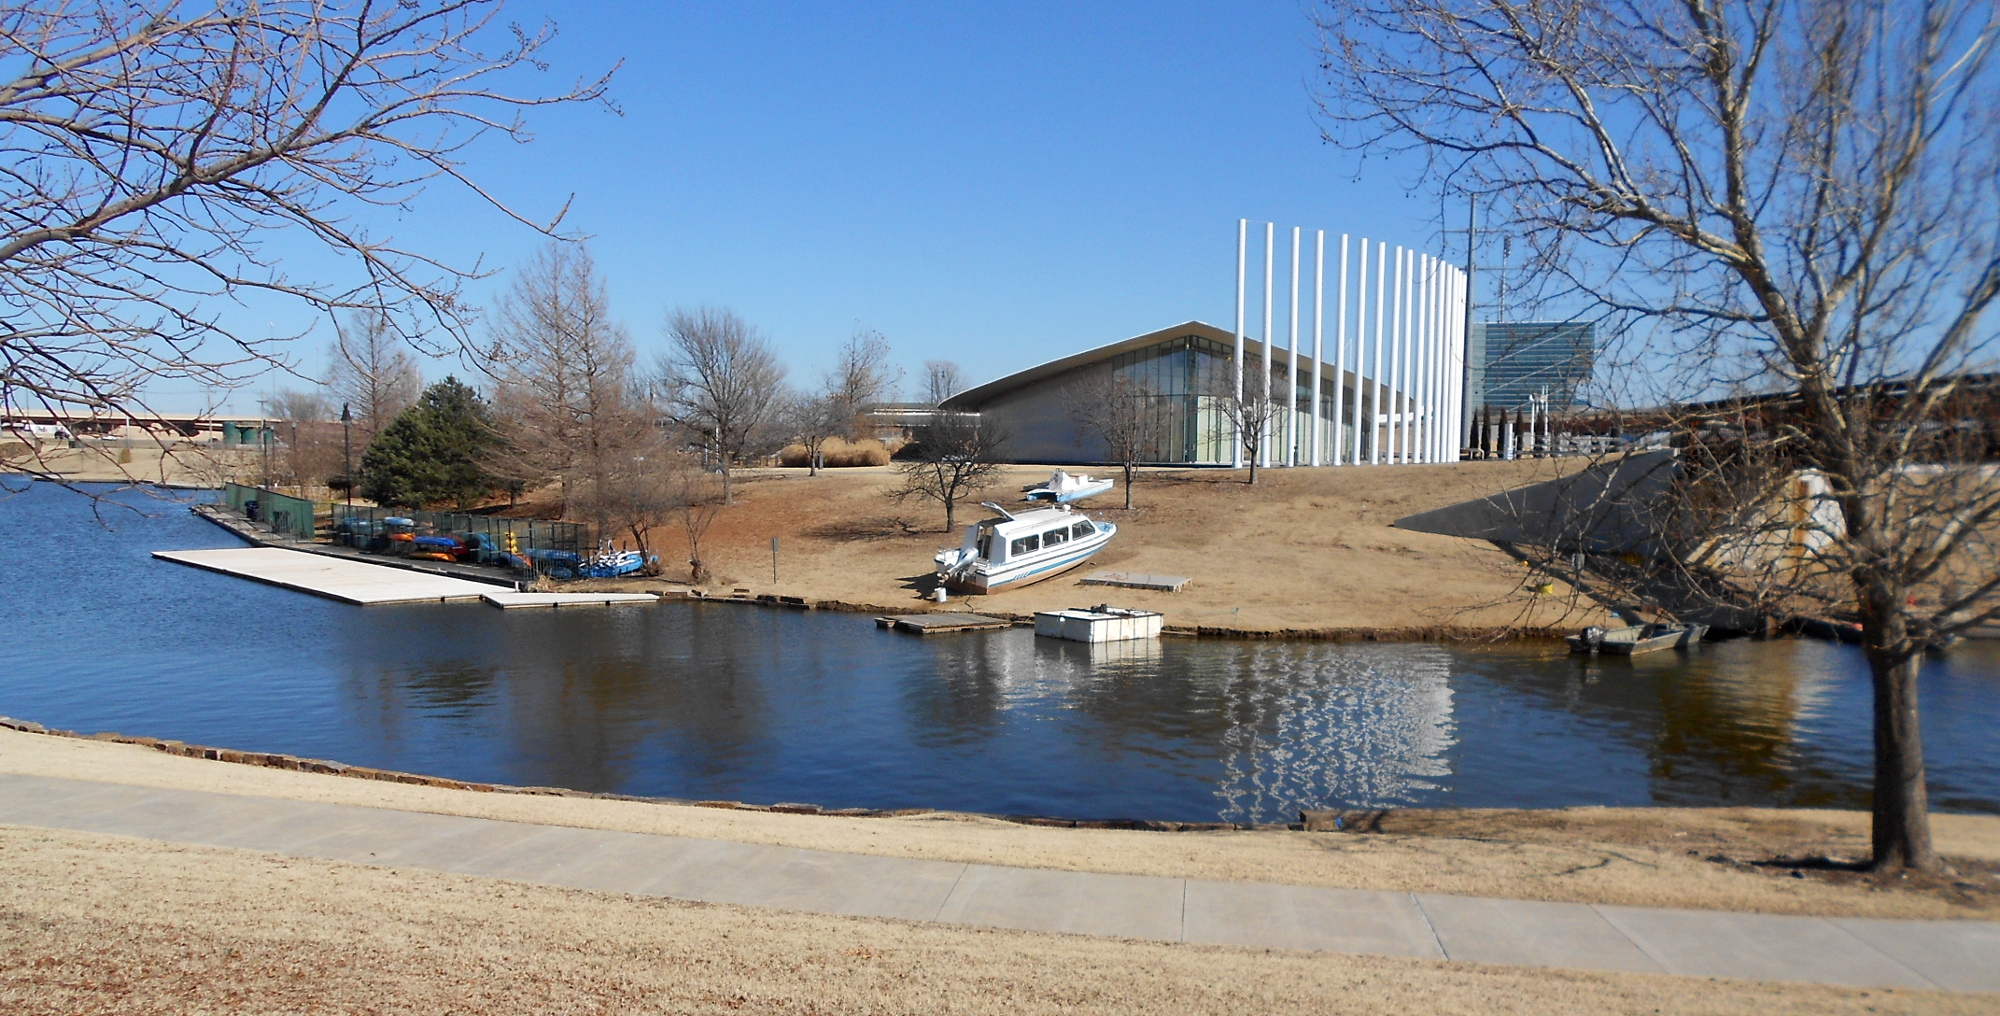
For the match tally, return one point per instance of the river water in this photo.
(728, 701)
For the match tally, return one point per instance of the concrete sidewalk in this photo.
(1952, 955)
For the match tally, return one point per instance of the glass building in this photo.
(1516, 359)
(1179, 370)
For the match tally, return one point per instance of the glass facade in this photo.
(1181, 376)
(1516, 359)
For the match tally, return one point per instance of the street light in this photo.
(346, 456)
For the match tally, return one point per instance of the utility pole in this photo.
(347, 455)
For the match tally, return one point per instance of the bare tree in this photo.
(308, 435)
(1124, 413)
(861, 376)
(1791, 197)
(942, 380)
(643, 491)
(155, 149)
(1249, 414)
(953, 456)
(811, 420)
(696, 500)
(567, 396)
(370, 371)
(720, 379)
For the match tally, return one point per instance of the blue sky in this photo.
(996, 185)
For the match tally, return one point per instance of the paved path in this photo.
(1954, 955)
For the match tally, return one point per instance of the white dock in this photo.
(513, 601)
(1098, 624)
(332, 577)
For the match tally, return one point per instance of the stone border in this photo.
(275, 760)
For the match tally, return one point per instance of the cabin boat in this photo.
(1017, 550)
(1064, 487)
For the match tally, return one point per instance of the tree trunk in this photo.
(1253, 467)
(728, 493)
(950, 515)
(1902, 819)
(1128, 486)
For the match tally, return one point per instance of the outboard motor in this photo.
(1593, 636)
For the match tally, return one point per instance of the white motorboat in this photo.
(1016, 550)
(1064, 487)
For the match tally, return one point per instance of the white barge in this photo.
(1017, 550)
(1102, 623)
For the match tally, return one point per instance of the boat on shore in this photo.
(1064, 487)
(1636, 639)
(1018, 550)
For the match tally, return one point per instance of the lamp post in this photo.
(346, 455)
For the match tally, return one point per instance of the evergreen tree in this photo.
(430, 453)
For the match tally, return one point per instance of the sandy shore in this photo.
(1305, 551)
(1632, 856)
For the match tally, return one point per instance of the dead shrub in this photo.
(839, 454)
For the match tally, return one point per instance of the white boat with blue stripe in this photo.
(1017, 550)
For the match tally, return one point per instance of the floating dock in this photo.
(1135, 580)
(941, 623)
(1098, 624)
(512, 601)
(335, 578)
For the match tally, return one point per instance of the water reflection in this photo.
(700, 700)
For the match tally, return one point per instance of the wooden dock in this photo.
(515, 601)
(1135, 580)
(335, 578)
(941, 623)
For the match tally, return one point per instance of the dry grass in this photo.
(97, 924)
(1303, 551)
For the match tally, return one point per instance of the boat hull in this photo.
(980, 580)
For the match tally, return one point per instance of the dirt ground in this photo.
(98, 924)
(1303, 551)
(1663, 857)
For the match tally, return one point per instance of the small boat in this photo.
(1064, 488)
(609, 564)
(1018, 550)
(1637, 639)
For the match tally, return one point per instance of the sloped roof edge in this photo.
(971, 399)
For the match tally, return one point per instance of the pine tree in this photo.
(430, 453)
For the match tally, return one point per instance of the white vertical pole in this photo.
(1292, 365)
(1376, 388)
(1264, 422)
(1427, 365)
(1460, 335)
(1360, 344)
(1319, 330)
(1340, 355)
(1398, 322)
(1413, 443)
(1242, 257)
